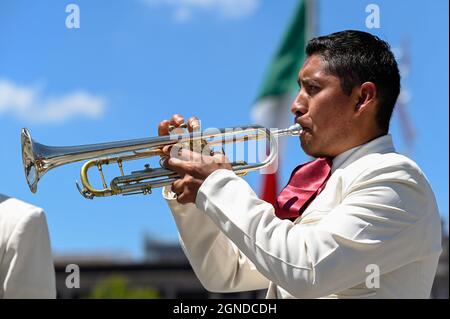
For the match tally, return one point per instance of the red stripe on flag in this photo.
(269, 187)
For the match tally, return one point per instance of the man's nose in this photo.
(299, 106)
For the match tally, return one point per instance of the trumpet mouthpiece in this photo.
(295, 129)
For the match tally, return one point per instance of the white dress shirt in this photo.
(26, 264)
(376, 215)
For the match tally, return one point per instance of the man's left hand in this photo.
(193, 169)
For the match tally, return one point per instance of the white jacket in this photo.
(377, 214)
(26, 264)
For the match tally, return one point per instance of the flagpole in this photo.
(312, 19)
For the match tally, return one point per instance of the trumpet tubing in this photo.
(38, 159)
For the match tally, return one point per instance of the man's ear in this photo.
(366, 95)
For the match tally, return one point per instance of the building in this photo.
(165, 273)
(165, 270)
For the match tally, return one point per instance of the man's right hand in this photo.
(175, 122)
(192, 167)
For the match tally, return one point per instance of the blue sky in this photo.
(132, 63)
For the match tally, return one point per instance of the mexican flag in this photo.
(272, 106)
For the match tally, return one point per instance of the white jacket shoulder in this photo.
(14, 212)
(26, 264)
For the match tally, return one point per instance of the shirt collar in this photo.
(382, 144)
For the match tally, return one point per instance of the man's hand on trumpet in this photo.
(193, 167)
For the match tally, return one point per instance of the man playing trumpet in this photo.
(359, 209)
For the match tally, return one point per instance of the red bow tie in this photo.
(306, 182)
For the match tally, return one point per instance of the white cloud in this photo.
(182, 14)
(29, 104)
(184, 9)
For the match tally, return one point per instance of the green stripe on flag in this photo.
(281, 77)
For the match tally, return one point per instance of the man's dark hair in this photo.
(356, 57)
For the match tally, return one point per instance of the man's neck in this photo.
(366, 138)
(343, 156)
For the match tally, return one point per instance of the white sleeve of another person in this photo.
(26, 263)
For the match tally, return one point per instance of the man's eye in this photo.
(313, 89)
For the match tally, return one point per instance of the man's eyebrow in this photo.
(307, 81)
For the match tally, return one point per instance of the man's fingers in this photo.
(177, 165)
(188, 156)
(220, 157)
(177, 187)
(166, 149)
(176, 120)
(163, 128)
(193, 122)
(182, 199)
(217, 154)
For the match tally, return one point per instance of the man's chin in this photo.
(309, 150)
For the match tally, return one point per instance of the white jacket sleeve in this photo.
(26, 264)
(216, 261)
(380, 221)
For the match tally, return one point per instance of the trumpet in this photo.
(38, 159)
